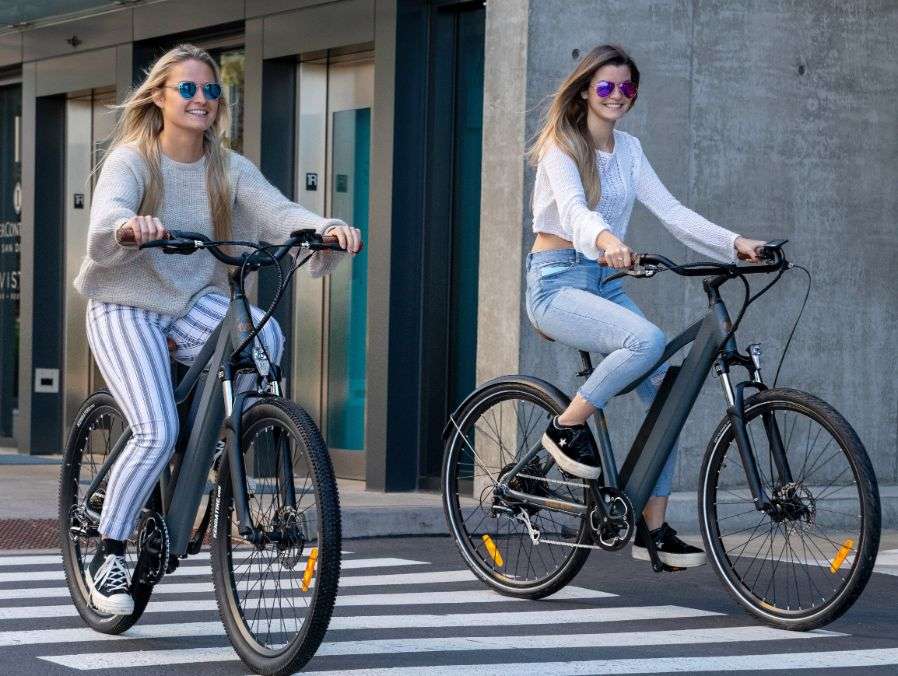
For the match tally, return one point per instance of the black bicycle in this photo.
(788, 502)
(272, 499)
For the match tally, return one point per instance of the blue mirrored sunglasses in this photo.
(187, 89)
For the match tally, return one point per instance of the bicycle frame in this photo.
(212, 402)
(712, 347)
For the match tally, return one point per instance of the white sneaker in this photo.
(110, 587)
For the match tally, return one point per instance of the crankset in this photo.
(153, 549)
(615, 530)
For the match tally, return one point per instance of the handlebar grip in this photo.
(330, 241)
(125, 237)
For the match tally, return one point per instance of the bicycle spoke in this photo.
(780, 560)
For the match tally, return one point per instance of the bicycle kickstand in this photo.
(657, 564)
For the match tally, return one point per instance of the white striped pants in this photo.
(129, 345)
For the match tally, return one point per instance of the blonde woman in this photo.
(168, 168)
(588, 176)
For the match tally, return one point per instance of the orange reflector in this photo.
(840, 555)
(493, 550)
(310, 569)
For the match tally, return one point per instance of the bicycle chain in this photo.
(552, 481)
(536, 536)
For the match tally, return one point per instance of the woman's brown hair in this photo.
(141, 122)
(565, 125)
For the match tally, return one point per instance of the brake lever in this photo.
(642, 271)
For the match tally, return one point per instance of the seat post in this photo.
(586, 363)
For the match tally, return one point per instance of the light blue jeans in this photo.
(569, 301)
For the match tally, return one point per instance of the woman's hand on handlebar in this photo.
(139, 230)
(616, 255)
(350, 238)
(748, 249)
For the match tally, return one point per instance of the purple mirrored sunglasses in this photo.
(604, 88)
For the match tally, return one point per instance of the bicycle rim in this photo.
(276, 600)
(98, 428)
(802, 564)
(491, 436)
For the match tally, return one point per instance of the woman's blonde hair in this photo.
(565, 125)
(141, 122)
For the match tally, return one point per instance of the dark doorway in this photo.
(10, 209)
(452, 222)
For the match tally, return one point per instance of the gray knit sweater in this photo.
(169, 284)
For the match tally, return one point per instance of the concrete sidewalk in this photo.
(29, 487)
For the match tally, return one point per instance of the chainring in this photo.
(153, 549)
(617, 532)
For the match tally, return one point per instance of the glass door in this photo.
(333, 167)
(89, 123)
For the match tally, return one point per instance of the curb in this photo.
(395, 521)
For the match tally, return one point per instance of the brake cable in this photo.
(807, 293)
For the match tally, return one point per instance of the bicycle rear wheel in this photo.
(99, 426)
(276, 597)
(492, 431)
(803, 565)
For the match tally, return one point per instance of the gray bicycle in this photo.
(272, 502)
(788, 502)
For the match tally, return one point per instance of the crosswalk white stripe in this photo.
(47, 559)
(833, 659)
(401, 599)
(494, 619)
(446, 577)
(349, 564)
(554, 641)
(130, 659)
(507, 619)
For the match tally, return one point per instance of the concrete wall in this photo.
(775, 119)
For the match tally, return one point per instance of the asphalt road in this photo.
(430, 617)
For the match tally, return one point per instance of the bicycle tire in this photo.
(264, 415)
(553, 401)
(97, 411)
(782, 401)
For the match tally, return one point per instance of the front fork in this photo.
(237, 466)
(735, 397)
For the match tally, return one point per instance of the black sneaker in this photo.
(671, 549)
(110, 584)
(573, 449)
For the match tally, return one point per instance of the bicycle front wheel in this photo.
(490, 433)
(803, 563)
(276, 595)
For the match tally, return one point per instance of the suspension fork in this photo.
(282, 449)
(736, 414)
(236, 465)
(771, 426)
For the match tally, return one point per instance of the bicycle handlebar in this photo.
(647, 265)
(183, 242)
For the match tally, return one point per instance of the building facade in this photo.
(410, 119)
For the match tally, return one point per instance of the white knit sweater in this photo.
(560, 208)
(168, 284)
